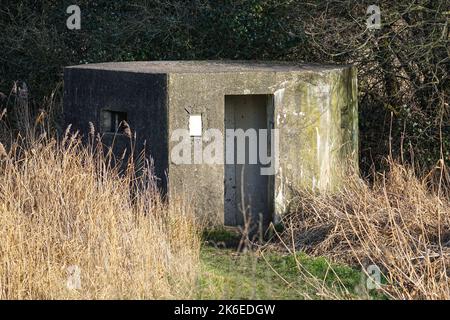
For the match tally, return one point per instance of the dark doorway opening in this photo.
(249, 195)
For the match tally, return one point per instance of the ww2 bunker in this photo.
(194, 116)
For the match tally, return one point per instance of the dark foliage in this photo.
(403, 67)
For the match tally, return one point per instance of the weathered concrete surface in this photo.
(142, 96)
(315, 109)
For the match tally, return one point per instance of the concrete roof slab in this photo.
(219, 66)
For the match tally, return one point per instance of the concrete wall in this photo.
(316, 113)
(315, 110)
(142, 96)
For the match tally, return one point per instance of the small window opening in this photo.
(113, 121)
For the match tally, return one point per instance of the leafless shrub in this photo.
(398, 223)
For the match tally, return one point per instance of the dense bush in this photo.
(403, 67)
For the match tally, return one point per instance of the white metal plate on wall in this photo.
(195, 125)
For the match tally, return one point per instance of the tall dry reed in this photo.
(399, 223)
(73, 227)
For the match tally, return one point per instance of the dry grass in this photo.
(66, 213)
(400, 223)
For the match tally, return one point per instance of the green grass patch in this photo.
(227, 274)
(221, 237)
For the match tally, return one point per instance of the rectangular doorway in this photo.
(249, 195)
